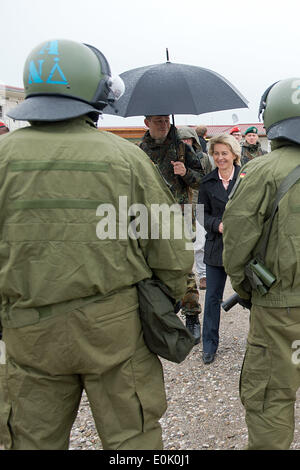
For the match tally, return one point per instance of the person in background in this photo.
(213, 193)
(251, 147)
(181, 170)
(3, 128)
(202, 133)
(236, 133)
(189, 136)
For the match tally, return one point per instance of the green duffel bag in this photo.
(164, 333)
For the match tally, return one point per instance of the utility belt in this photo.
(14, 317)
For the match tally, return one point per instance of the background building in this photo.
(135, 134)
(10, 96)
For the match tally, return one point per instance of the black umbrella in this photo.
(171, 88)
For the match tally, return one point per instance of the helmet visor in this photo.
(50, 108)
(117, 88)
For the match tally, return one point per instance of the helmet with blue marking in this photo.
(65, 79)
(280, 105)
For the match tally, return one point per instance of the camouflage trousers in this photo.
(190, 301)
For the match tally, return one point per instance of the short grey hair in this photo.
(228, 140)
(201, 130)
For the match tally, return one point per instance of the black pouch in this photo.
(164, 333)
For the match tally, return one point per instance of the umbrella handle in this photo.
(174, 138)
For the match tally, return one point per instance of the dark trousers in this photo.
(215, 284)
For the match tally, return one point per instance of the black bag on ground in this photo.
(164, 333)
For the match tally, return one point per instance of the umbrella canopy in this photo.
(171, 88)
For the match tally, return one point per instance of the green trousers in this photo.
(98, 348)
(270, 377)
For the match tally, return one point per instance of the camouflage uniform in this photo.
(206, 161)
(250, 151)
(162, 154)
(181, 186)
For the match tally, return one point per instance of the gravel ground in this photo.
(204, 411)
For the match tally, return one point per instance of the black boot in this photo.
(193, 325)
(207, 358)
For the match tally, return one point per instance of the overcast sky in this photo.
(252, 43)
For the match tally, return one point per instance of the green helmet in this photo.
(280, 104)
(65, 79)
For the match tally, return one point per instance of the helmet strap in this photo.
(263, 100)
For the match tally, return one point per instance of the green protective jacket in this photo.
(62, 187)
(251, 151)
(245, 219)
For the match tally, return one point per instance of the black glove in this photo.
(246, 303)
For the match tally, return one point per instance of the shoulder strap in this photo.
(285, 185)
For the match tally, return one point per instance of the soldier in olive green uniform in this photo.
(182, 172)
(251, 147)
(69, 312)
(270, 375)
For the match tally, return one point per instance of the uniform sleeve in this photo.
(166, 251)
(243, 222)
